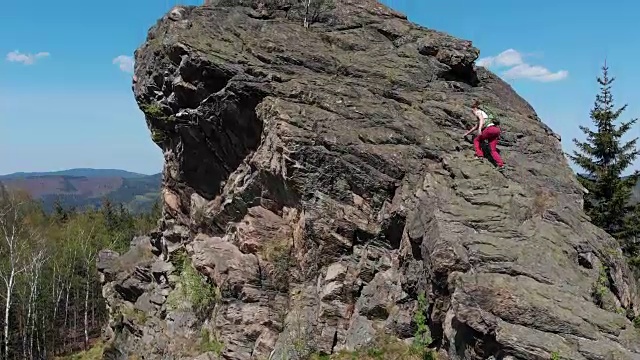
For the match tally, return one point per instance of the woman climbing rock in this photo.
(488, 130)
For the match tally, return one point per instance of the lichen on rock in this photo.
(317, 182)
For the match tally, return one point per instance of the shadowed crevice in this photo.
(227, 132)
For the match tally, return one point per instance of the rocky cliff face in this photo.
(316, 185)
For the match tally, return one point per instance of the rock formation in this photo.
(316, 184)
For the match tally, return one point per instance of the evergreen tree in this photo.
(126, 221)
(604, 156)
(60, 214)
(109, 214)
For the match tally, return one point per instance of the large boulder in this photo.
(316, 185)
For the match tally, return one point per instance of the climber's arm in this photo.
(480, 124)
(476, 126)
(470, 130)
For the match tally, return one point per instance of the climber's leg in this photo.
(492, 134)
(476, 144)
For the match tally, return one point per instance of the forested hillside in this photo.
(82, 188)
(51, 295)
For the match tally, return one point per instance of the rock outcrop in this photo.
(316, 184)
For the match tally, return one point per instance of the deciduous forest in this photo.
(50, 288)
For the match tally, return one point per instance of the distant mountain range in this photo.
(79, 172)
(87, 187)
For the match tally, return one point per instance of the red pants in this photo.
(492, 135)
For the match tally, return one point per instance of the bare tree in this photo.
(34, 270)
(89, 257)
(57, 288)
(67, 288)
(16, 237)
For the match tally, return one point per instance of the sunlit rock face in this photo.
(316, 184)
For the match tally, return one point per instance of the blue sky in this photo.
(64, 102)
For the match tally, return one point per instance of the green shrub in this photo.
(422, 338)
(601, 286)
(193, 286)
(158, 136)
(210, 343)
(153, 111)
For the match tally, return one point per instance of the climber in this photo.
(488, 130)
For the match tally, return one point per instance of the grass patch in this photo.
(385, 348)
(542, 202)
(153, 112)
(135, 315)
(94, 353)
(278, 254)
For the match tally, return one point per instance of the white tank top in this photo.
(484, 117)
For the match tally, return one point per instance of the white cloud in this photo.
(519, 69)
(537, 73)
(508, 57)
(124, 62)
(26, 59)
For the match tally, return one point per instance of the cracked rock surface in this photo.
(316, 179)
